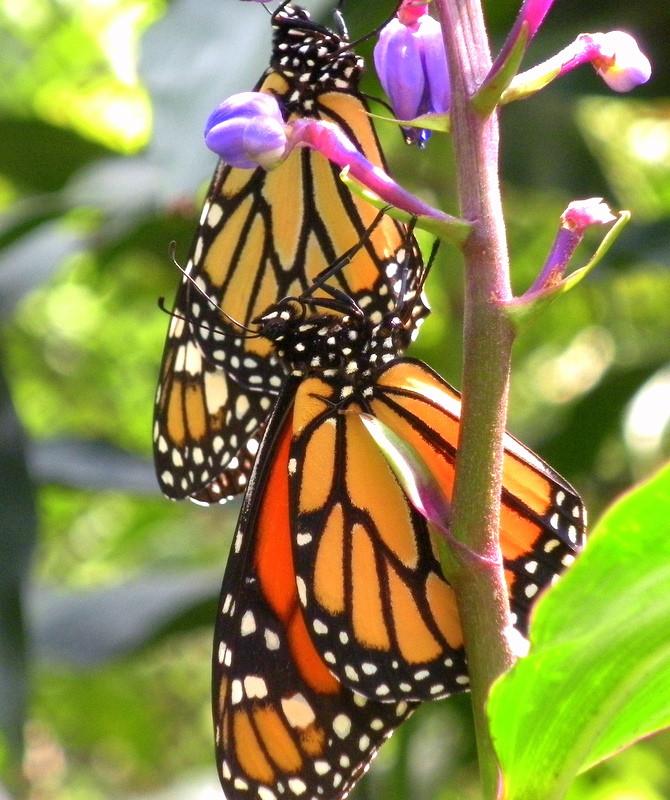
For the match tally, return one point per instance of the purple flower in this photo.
(247, 130)
(615, 56)
(412, 66)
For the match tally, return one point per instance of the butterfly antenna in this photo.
(373, 32)
(249, 333)
(344, 259)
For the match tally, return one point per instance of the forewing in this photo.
(263, 236)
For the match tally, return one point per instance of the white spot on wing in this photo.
(297, 711)
(255, 686)
(342, 726)
(302, 590)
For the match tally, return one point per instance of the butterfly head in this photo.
(310, 57)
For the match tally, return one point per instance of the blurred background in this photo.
(107, 590)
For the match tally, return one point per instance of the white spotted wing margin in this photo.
(263, 236)
(284, 727)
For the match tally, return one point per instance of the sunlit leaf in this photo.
(597, 677)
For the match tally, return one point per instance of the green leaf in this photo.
(597, 677)
(440, 123)
(489, 94)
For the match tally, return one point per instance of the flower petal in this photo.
(435, 65)
(400, 68)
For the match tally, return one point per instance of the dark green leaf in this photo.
(17, 539)
(42, 156)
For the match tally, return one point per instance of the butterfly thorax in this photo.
(347, 350)
(323, 344)
(311, 58)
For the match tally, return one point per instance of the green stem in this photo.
(488, 337)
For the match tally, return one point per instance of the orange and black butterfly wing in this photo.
(542, 518)
(263, 236)
(284, 726)
(207, 427)
(543, 524)
(376, 603)
(374, 597)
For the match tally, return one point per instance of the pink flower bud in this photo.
(580, 214)
(620, 62)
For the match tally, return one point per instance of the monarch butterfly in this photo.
(335, 619)
(261, 237)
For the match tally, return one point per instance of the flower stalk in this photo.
(488, 337)
(575, 220)
(615, 56)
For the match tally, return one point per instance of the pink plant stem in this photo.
(488, 336)
(328, 139)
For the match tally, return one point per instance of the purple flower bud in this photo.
(615, 56)
(412, 66)
(247, 130)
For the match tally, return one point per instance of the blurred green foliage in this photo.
(117, 585)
